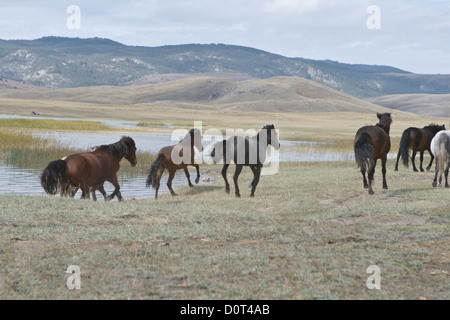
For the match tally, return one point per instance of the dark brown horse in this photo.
(417, 139)
(173, 158)
(88, 171)
(373, 143)
(243, 151)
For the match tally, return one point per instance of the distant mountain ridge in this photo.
(58, 62)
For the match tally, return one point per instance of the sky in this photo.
(413, 35)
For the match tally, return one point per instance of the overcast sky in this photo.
(413, 35)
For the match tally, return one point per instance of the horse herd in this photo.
(88, 171)
(373, 143)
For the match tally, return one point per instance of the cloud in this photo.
(296, 7)
(315, 29)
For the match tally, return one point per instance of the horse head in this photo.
(130, 153)
(385, 121)
(272, 136)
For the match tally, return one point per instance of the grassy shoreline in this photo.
(311, 232)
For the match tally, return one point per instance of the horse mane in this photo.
(119, 148)
(434, 126)
(268, 131)
(385, 122)
(191, 134)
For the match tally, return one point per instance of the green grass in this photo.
(310, 233)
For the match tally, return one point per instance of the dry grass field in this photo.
(310, 232)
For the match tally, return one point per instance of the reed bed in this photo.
(50, 124)
(22, 149)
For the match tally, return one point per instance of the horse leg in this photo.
(85, 193)
(198, 173)
(370, 175)
(159, 174)
(383, 171)
(446, 173)
(186, 172)
(413, 156)
(363, 172)
(253, 168)
(421, 161)
(62, 189)
(398, 158)
(431, 161)
(116, 191)
(256, 174)
(235, 179)
(446, 177)
(94, 196)
(435, 175)
(169, 181)
(224, 175)
(102, 191)
(71, 191)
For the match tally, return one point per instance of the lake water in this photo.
(15, 180)
(19, 181)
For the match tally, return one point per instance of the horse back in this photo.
(90, 167)
(178, 149)
(379, 139)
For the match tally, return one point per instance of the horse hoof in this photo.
(197, 180)
(238, 195)
(174, 194)
(191, 185)
(252, 195)
(371, 192)
(227, 191)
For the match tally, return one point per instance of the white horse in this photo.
(440, 147)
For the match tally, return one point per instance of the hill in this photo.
(423, 104)
(56, 62)
(277, 94)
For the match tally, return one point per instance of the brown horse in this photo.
(417, 139)
(88, 171)
(173, 158)
(373, 143)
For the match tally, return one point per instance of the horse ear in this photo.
(379, 115)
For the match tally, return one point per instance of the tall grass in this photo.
(49, 124)
(22, 149)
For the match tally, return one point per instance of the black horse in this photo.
(417, 139)
(372, 143)
(245, 152)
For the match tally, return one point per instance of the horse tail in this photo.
(442, 152)
(53, 176)
(363, 151)
(152, 178)
(404, 148)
